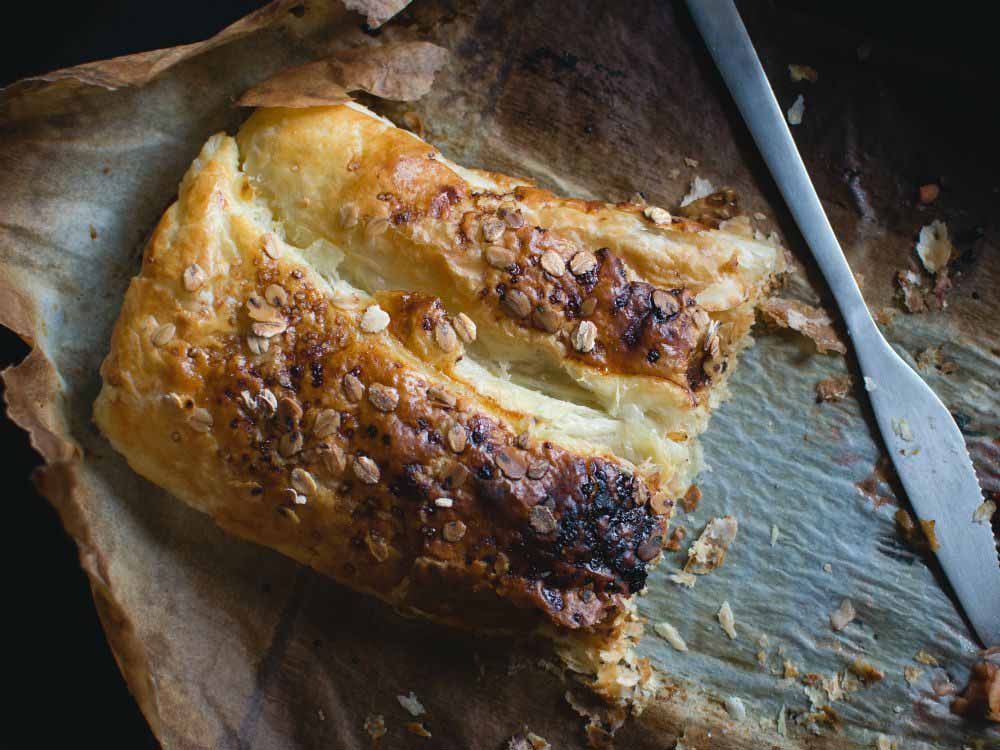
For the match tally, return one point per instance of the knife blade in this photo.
(923, 441)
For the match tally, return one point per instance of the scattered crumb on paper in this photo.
(833, 389)
(934, 247)
(412, 704)
(912, 674)
(376, 12)
(417, 728)
(709, 550)
(842, 616)
(671, 635)
(811, 322)
(775, 533)
(727, 620)
(803, 73)
(699, 188)
(687, 580)
(735, 708)
(375, 725)
(796, 111)
(870, 384)
(984, 513)
(924, 658)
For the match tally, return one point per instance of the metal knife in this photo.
(923, 440)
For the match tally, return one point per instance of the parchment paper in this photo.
(227, 645)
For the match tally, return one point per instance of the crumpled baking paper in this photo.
(228, 645)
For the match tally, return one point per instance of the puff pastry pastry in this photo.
(445, 387)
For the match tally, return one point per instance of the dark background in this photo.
(66, 689)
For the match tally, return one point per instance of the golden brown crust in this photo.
(242, 387)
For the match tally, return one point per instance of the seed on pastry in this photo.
(333, 457)
(542, 520)
(548, 320)
(516, 304)
(656, 215)
(445, 336)
(553, 264)
(194, 277)
(327, 423)
(258, 309)
(290, 443)
(499, 256)
(269, 400)
(276, 295)
(289, 411)
(442, 396)
(465, 327)
(511, 215)
(665, 302)
(453, 531)
(374, 320)
(248, 400)
(377, 227)
(383, 397)
(493, 229)
(583, 262)
(511, 464)
(258, 344)
(444, 502)
(349, 215)
(366, 470)
(538, 468)
(354, 389)
(269, 329)
(200, 420)
(303, 482)
(456, 438)
(272, 246)
(163, 334)
(454, 475)
(584, 337)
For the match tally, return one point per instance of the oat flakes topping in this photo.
(453, 531)
(538, 468)
(516, 304)
(445, 336)
(258, 344)
(303, 482)
(269, 400)
(456, 438)
(289, 412)
(272, 246)
(349, 215)
(333, 457)
(354, 389)
(383, 397)
(248, 400)
(542, 520)
(163, 334)
(552, 263)
(465, 327)
(442, 396)
(366, 470)
(327, 423)
(584, 337)
(276, 295)
(454, 475)
(290, 443)
(546, 319)
(499, 256)
(511, 464)
(194, 278)
(583, 262)
(269, 329)
(374, 320)
(200, 420)
(657, 215)
(493, 229)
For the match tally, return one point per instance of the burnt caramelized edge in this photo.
(548, 529)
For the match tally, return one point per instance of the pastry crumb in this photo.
(833, 389)
(814, 323)
(735, 708)
(803, 73)
(912, 674)
(868, 673)
(412, 704)
(375, 725)
(929, 193)
(670, 634)
(709, 550)
(797, 110)
(841, 617)
(870, 384)
(934, 246)
(985, 512)
(699, 188)
(691, 499)
(775, 533)
(727, 620)
(417, 728)
(924, 658)
(687, 580)
(884, 743)
(693, 163)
